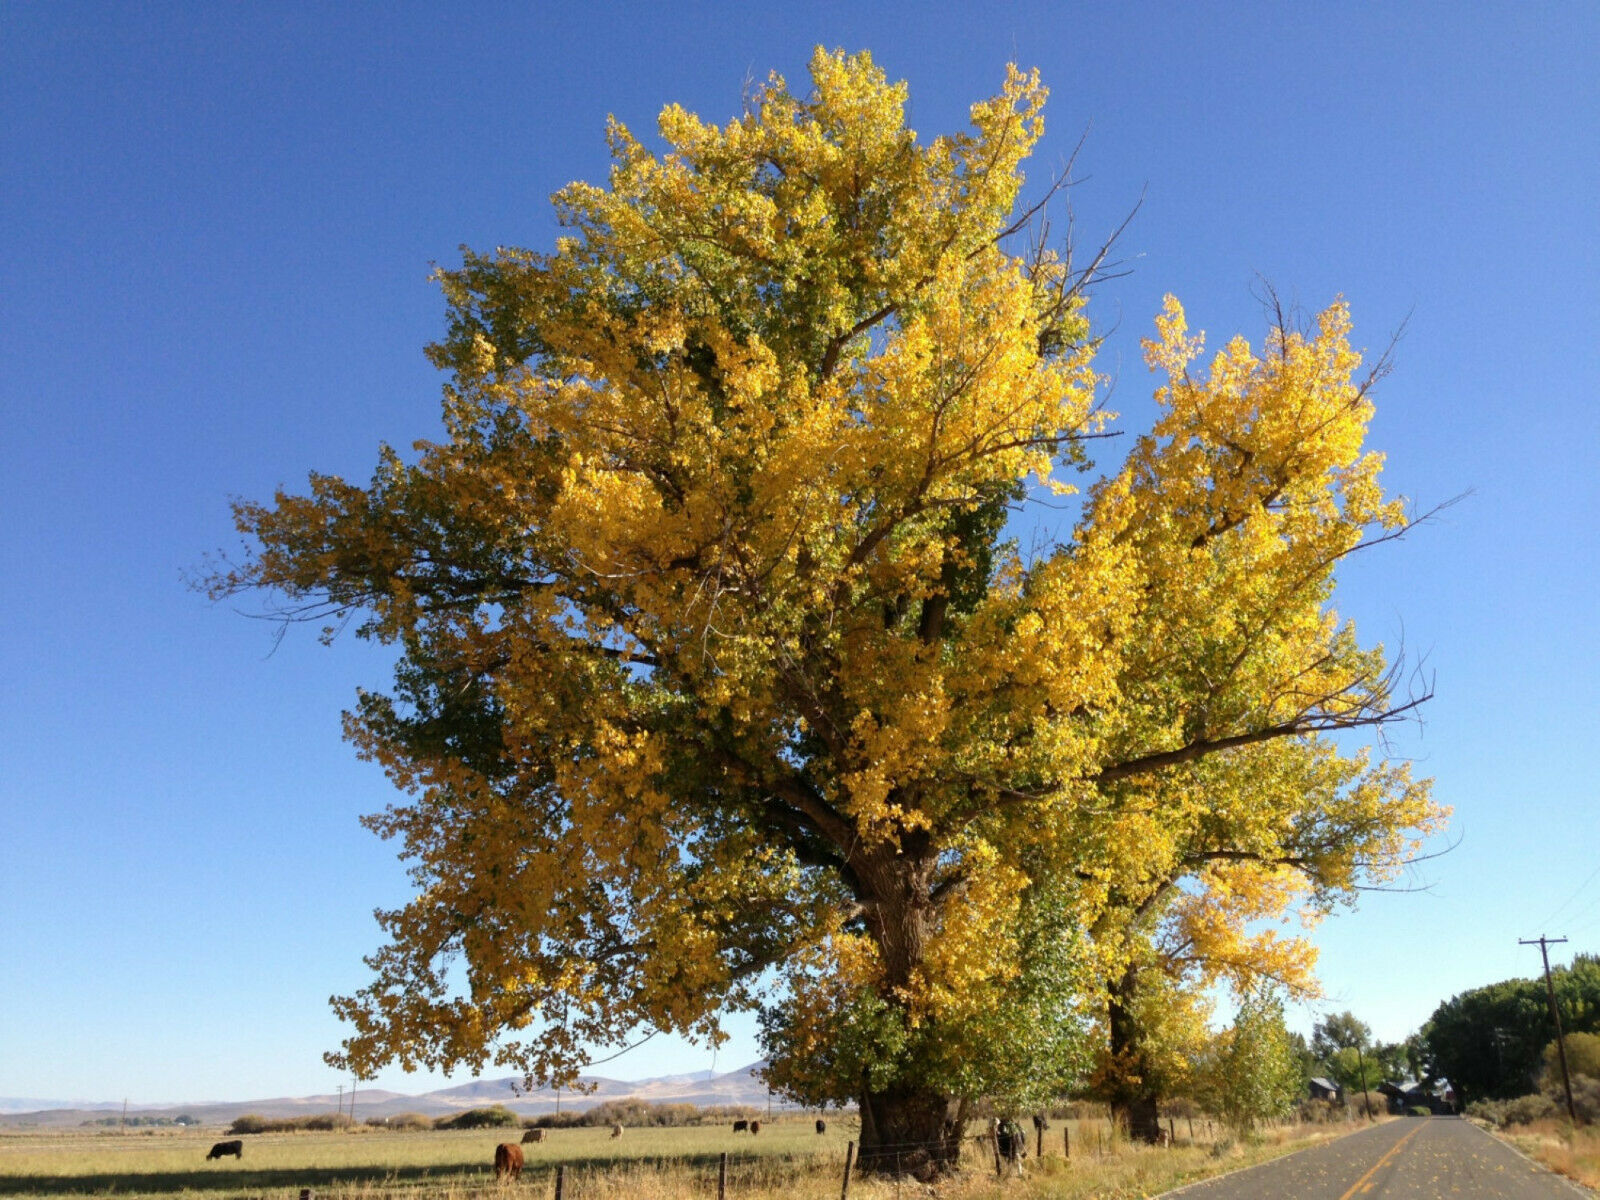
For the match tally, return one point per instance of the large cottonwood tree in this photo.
(716, 671)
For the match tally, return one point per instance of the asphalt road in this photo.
(1417, 1158)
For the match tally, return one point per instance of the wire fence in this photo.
(794, 1174)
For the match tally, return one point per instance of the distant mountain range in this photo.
(701, 1088)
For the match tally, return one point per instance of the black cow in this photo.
(740, 1126)
(223, 1149)
(822, 1126)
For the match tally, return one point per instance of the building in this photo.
(1326, 1089)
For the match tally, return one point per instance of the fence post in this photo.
(849, 1153)
(561, 1181)
(1172, 1134)
(1191, 1130)
(1038, 1142)
(1066, 1139)
(722, 1176)
(994, 1144)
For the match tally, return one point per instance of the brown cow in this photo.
(755, 1127)
(822, 1126)
(533, 1135)
(222, 1149)
(508, 1161)
(616, 1131)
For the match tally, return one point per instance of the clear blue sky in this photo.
(216, 225)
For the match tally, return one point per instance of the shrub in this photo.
(408, 1121)
(1316, 1112)
(251, 1123)
(725, 1114)
(550, 1120)
(1492, 1111)
(1583, 1058)
(1586, 1097)
(323, 1122)
(1368, 1104)
(494, 1117)
(641, 1113)
(1524, 1110)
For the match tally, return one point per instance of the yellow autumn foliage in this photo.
(717, 672)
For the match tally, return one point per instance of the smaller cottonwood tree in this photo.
(1249, 840)
(1250, 1073)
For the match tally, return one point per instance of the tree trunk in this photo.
(1135, 1101)
(905, 1128)
(911, 1131)
(1141, 1112)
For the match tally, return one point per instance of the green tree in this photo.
(716, 667)
(1252, 1074)
(1339, 1031)
(1489, 1041)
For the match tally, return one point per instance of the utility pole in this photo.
(341, 1099)
(1366, 1103)
(1544, 944)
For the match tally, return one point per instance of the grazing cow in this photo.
(616, 1131)
(533, 1135)
(755, 1127)
(740, 1126)
(223, 1149)
(1040, 1122)
(822, 1126)
(507, 1161)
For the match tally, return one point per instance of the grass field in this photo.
(1574, 1153)
(788, 1161)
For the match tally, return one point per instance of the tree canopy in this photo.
(1490, 1041)
(720, 677)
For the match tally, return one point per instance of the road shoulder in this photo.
(1488, 1130)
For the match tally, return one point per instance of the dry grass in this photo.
(788, 1161)
(1574, 1153)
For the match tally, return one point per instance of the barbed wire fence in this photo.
(729, 1175)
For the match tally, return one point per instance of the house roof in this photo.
(1326, 1084)
(1405, 1087)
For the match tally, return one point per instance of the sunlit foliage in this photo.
(718, 676)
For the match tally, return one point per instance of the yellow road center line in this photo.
(1378, 1166)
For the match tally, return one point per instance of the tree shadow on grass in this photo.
(243, 1179)
(237, 1179)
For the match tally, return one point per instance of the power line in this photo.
(1593, 875)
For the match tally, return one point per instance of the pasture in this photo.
(787, 1161)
